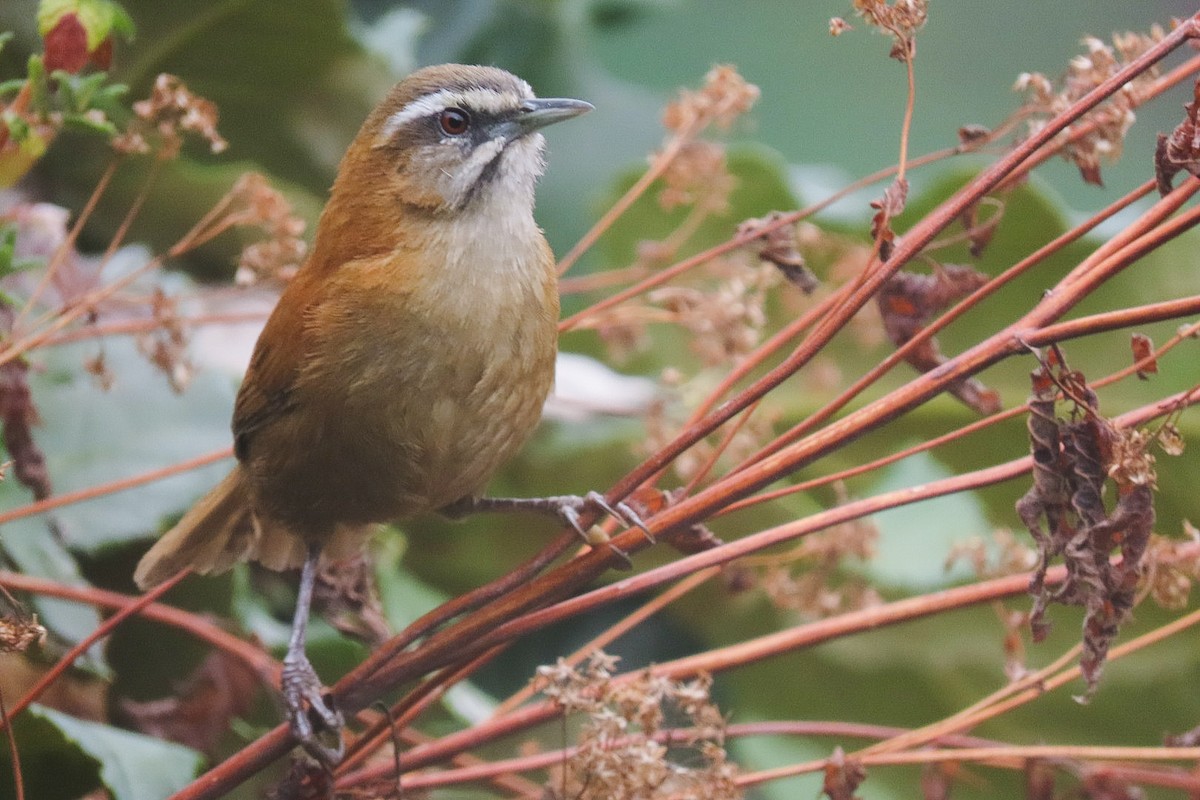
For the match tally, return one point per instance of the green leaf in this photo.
(86, 123)
(132, 766)
(53, 767)
(91, 436)
(35, 550)
(914, 540)
(39, 89)
(77, 91)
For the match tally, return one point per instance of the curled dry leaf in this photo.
(647, 501)
(18, 415)
(1073, 458)
(980, 231)
(779, 246)
(886, 209)
(937, 780)
(1039, 780)
(1143, 354)
(843, 776)
(907, 302)
(1180, 150)
(972, 135)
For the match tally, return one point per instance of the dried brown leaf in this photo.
(1180, 150)
(1073, 458)
(221, 689)
(1143, 354)
(843, 776)
(907, 301)
(886, 209)
(18, 415)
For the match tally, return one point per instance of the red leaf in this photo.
(66, 45)
(102, 55)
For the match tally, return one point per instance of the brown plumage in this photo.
(411, 354)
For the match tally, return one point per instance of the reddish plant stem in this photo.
(251, 655)
(105, 628)
(770, 645)
(1099, 267)
(112, 487)
(470, 635)
(14, 752)
(410, 707)
(931, 330)
(802, 636)
(541, 761)
(920, 390)
(68, 244)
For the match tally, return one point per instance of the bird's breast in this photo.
(418, 389)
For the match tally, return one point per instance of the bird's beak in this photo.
(542, 111)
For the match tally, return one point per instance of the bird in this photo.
(407, 359)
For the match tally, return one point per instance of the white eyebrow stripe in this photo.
(489, 101)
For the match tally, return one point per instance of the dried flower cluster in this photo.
(255, 203)
(626, 750)
(696, 173)
(664, 421)
(18, 629)
(698, 176)
(166, 344)
(171, 111)
(725, 322)
(723, 309)
(1172, 566)
(1073, 458)
(811, 580)
(994, 556)
(725, 96)
(1105, 125)
(900, 20)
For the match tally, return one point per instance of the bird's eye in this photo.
(454, 121)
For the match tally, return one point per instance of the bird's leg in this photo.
(567, 508)
(302, 689)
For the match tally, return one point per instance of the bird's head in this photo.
(450, 137)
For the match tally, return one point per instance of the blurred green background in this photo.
(293, 82)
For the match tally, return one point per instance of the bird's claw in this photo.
(571, 507)
(305, 699)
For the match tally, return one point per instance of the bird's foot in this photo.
(310, 712)
(569, 508)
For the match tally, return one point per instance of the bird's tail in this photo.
(216, 533)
